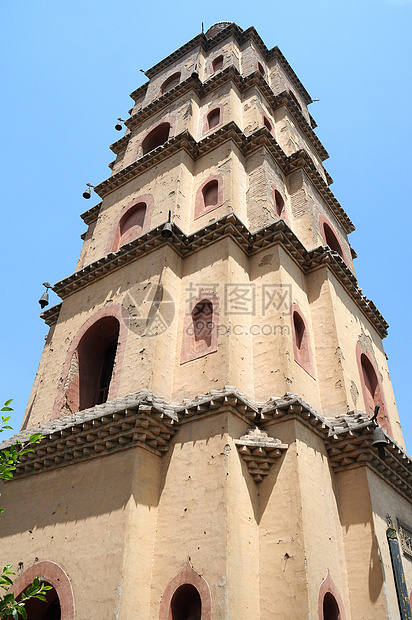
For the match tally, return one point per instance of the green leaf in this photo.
(7, 403)
(8, 598)
(7, 580)
(23, 613)
(36, 437)
(14, 614)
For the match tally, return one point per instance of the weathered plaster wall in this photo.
(364, 568)
(386, 502)
(98, 510)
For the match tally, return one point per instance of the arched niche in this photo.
(156, 137)
(330, 237)
(60, 600)
(302, 349)
(200, 327)
(133, 221)
(209, 196)
(372, 389)
(183, 594)
(330, 604)
(91, 354)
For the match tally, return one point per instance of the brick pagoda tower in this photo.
(208, 381)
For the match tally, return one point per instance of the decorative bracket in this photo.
(259, 451)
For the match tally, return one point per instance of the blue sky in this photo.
(67, 71)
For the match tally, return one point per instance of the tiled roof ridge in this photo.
(173, 410)
(185, 141)
(251, 243)
(145, 420)
(241, 36)
(230, 73)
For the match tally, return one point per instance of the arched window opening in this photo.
(186, 603)
(96, 357)
(211, 193)
(213, 118)
(292, 94)
(371, 382)
(202, 317)
(279, 203)
(159, 135)
(261, 69)
(267, 123)
(300, 331)
(171, 82)
(217, 63)
(301, 345)
(331, 239)
(330, 607)
(44, 610)
(132, 222)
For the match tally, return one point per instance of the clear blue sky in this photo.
(67, 70)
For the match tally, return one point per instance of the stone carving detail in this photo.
(405, 535)
(259, 451)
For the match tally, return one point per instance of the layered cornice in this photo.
(92, 214)
(251, 243)
(51, 315)
(348, 440)
(246, 144)
(149, 422)
(241, 36)
(230, 74)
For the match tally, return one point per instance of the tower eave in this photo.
(241, 36)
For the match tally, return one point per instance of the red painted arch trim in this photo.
(187, 576)
(55, 575)
(189, 351)
(206, 122)
(304, 358)
(383, 418)
(284, 213)
(171, 119)
(121, 314)
(326, 586)
(114, 234)
(324, 220)
(200, 208)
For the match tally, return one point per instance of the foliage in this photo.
(9, 458)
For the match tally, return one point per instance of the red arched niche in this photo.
(213, 119)
(279, 204)
(209, 196)
(123, 229)
(91, 355)
(60, 599)
(170, 83)
(261, 69)
(330, 237)
(267, 123)
(157, 136)
(183, 590)
(200, 327)
(372, 390)
(217, 63)
(302, 350)
(330, 605)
